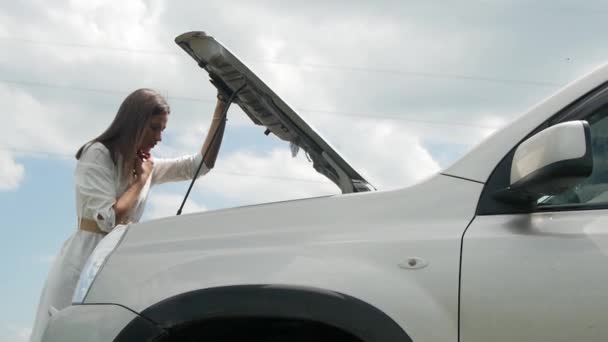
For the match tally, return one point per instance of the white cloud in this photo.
(46, 259)
(389, 154)
(11, 332)
(11, 173)
(166, 204)
(406, 159)
(248, 177)
(41, 129)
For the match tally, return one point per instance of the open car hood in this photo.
(267, 109)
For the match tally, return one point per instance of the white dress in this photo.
(98, 184)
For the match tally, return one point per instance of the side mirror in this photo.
(550, 162)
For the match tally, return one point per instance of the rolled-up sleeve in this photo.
(96, 188)
(177, 169)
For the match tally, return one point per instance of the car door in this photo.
(540, 273)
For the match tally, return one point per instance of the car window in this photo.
(593, 190)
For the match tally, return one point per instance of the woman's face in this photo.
(153, 132)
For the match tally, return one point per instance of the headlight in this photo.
(96, 260)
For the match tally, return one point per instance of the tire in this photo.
(259, 330)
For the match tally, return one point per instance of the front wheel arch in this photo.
(291, 303)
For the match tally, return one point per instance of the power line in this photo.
(55, 155)
(45, 154)
(544, 9)
(393, 117)
(420, 74)
(61, 86)
(95, 90)
(311, 110)
(88, 46)
(305, 65)
(274, 177)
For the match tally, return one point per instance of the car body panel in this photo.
(99, 323)
(536, 277)
(356, 244)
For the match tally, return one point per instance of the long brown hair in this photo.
(125, 133)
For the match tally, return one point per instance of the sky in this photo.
(400, 88)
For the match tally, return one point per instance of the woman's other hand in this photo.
(143, 167)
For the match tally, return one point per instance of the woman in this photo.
(113, 176)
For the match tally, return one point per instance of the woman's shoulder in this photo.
(96, 152)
